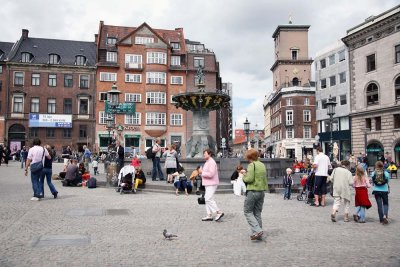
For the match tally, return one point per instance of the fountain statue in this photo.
(200, 103)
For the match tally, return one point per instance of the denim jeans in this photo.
(157, 169)
(35, 179)
(253, 206)
(23, 163)
(382, 201)
(288, 192)
(360, 211)
(47, 173)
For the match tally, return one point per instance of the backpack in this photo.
(150, 154)
(379, 178)
(92, 183)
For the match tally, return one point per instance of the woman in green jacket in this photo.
(256, 183)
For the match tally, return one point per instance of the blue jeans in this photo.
(157, 168)
(382, 201)
(35, 179)
(360, 211)
(287, 192)
(46, 172)
(23, 163)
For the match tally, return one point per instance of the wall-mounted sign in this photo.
(50, 120)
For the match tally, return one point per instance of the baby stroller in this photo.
(125, 180)
(306, 193)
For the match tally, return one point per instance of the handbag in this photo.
(201, 200)
(37, 166)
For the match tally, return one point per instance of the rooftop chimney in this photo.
(25, 33)
(95, 37)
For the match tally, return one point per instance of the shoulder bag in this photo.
(37, 166)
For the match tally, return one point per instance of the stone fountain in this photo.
(200, 103)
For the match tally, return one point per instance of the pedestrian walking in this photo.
(361, 185)
(86, 156)
(47, 173)
(36, 154)
(381, 190)
(171, 159)
(7, 153)
(322, 165)
(256, 181)
(24, 155)
(210, 180)
(121, 155)
(156, 162)
(342, 179)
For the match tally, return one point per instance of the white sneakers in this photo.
(219, 216)
(35, 199)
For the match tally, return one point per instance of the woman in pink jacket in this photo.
(210, 180)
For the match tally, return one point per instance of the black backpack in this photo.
(92, 183)
(149, 153)
(379, 177)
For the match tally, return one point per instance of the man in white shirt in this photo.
(321, 164)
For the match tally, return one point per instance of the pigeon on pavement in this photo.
(168, 235)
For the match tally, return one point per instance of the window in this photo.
(108, 77)
(154, 118)
(176, 79)
(289, 132)
(176, 119)
(133, 78)
(294, 54)
(18, 78)
(307, 115)
(372, 94)
(342, 77)
(156, 77)
(323, 83)
(198, 62)
(80, 60)
(306, 101)
(54, 59)
(35, 105)
(343, 100)
(371, 63)
(104, 116)
(289, 102)
(144, 40)
(103, 96)
(175, 60)
(323, 103)
(368, 123)
(397, 53)
(172, 101)
(84, 81)
(332, 59)
(155, 98)
(111, 40)
(397, 88)
(33, 132)
(132, 119)
(18, 104)
(50, 132)
(35, 79)
(26, 57)
(133, 61)
(175, 45)
(51, 105)
(289, 117)
(68, 80)
(156, 58)
(82, 131)
(83, 106)
(137, 98)
(1, 69)
(378, 124)
(344, 123)
(307, 131)
(67, 133)
(52, 80)
(111, 57)
(67, 106)
(322, 62)
(341, 55)
(332, 80)
(396, 121)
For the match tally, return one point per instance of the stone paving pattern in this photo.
(296, 234)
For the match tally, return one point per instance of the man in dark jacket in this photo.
(121, 155)
(24, 155)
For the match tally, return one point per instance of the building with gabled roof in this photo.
(5, 49)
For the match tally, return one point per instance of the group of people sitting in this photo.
(74, 173)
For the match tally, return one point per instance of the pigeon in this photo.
(168, 235)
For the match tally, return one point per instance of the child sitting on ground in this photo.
(180, 181)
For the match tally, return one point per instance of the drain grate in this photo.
(117, 212)
(61, 240)
(85, 212)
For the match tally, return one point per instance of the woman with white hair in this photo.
(287, 183)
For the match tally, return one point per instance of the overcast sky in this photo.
(238, 31)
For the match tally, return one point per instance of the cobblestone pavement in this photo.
(296, 234)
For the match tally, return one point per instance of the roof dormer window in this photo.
(54, 59)
(175, 45)
(111, 40)
(80, 60)
(26, 57)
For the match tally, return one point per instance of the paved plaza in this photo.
(98, 227)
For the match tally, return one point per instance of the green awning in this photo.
(397, 148)
(105, 135)
(132, 135)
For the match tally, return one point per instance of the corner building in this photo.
(5, 49)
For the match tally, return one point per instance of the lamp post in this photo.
(303, 148)
(247, 130)
(110, 127)
(111, 108)
(331, 104)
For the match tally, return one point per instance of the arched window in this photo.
(397, 88)
(295, 81)
(372, 94)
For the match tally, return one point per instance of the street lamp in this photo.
(113, 95)
(303, 149)
(110, 127)
(247, 130)
(331, 104)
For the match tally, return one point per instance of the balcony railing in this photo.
(133, 66)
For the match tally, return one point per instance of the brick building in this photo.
(292, 101)
(51, 90)
(5, 49)
(149, 66)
